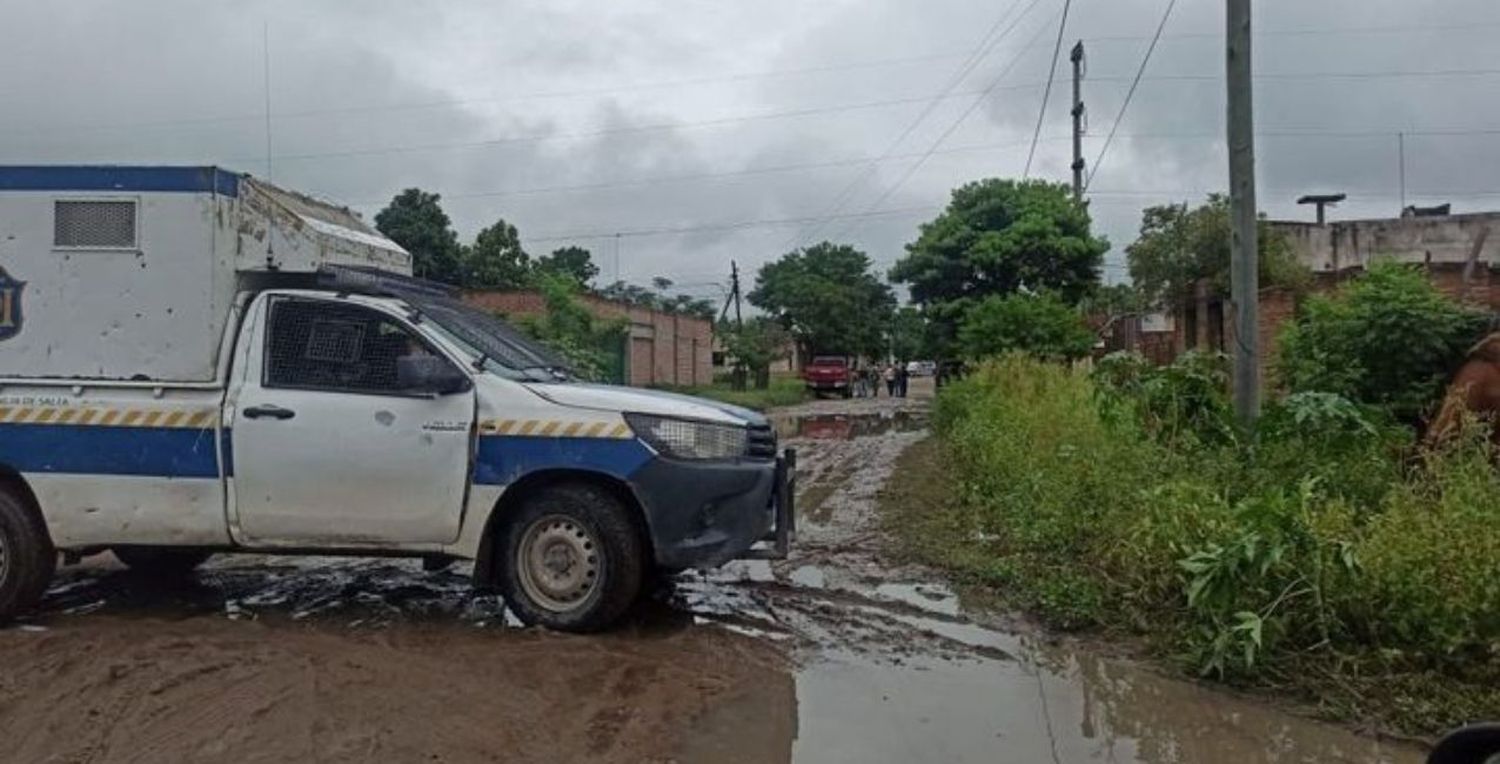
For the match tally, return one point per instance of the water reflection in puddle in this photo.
(847, 426)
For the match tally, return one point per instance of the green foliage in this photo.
(497, 261)
(415, 220)
(1041, 325)
(908, 336)
(1003, 236)
(1305, 555)
(752, 347)
(828, 298)
(574, 262)
(1179, 245)
(1387, 339)
(569, 328)
(647, 297)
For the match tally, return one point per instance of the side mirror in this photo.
(430, 374)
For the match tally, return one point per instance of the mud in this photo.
(838, 654)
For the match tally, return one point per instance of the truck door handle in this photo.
(274, 412)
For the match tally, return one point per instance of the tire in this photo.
(161, 562)
(27, 558)
(573, 559)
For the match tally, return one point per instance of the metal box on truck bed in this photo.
(130, 273)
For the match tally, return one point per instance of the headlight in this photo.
(687, 439)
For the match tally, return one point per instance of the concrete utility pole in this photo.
(1243, 249)
(1077, 57)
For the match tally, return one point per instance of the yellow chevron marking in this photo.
(173, 418)
(550, 428)
(506, 426)
(45, 415)
(597, 429)
(4, 413)
(110, 416)
(22, 414)
(66, 415)
(200, 419)
(529, 426)
(620, 431)
(86, 415)
(572, 429)
(150, 419)
(130, 418)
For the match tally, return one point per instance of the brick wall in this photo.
(662, 349)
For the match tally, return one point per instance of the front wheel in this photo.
(27, 559)
(161, 562)
(574, 559)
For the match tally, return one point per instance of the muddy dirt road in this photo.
(835, 655)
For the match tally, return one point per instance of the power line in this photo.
(1047, 92)
(1146, 59)
(738, 225)
(986, 44)
(984, 95)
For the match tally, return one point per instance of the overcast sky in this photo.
(577, 120)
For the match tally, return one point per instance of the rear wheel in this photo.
(574, 559)
(161, 562)
(27, 559)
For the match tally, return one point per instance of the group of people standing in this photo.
(869, 378)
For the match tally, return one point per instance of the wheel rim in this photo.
(558, 563)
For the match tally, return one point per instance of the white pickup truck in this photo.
(194, 361)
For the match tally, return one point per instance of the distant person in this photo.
(890, 380)
(902, 377)
(858, 381)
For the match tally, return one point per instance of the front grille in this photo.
(762, 442)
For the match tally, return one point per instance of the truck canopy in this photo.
(130, 273)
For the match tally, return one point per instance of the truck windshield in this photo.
(496, 346)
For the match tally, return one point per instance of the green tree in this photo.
(497, 261)
(1042, 325)
(1179, 245)
(1389, 338)
(752, 347)
(415, 220)
(998, 237)
(828, 298)
(908, 334)
(575, 262)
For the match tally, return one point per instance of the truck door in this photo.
(331, 444)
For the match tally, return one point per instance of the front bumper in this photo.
(704, 515)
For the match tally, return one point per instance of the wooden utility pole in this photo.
(1243, 265)
(734, 281)
(1077, 58)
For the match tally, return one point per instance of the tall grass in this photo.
(1314, 546)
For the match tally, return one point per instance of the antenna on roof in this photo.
(265, 49)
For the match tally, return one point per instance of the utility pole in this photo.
(1401, 166)
(734, 285)
(1243, 268)
(1077, 57)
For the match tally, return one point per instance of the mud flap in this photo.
(778, 542)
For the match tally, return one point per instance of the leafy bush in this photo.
(1389, 338)
(1307, 555)
(568, 327)
(1042, 325)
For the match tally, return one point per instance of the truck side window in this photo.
(324, 345)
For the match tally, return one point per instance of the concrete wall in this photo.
(1347, 244)
(663, 348)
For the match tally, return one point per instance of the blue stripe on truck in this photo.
(153, 451)
(202, 180)
(504, 459)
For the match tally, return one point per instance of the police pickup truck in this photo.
(193, 361)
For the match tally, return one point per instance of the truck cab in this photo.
(352, 409)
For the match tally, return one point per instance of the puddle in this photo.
(893, 672)
(847, 426)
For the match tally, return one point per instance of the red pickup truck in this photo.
(829, 373)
